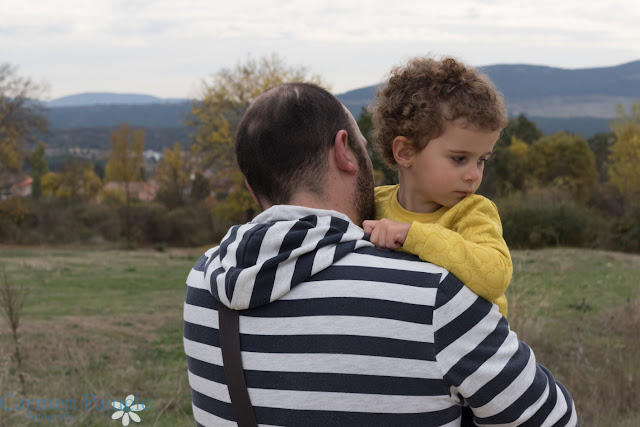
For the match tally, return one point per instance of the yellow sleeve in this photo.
(470, 246)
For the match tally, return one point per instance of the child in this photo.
(437, 123)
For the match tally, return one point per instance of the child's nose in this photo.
(473, 173)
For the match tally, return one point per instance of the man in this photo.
(334, 331)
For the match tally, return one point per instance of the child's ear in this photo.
(402, 151)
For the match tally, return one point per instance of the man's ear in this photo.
(344, 157)
(402, 151)
(252, 193)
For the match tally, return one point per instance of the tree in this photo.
(172, 176)
(498, 176)
(564, 162)
(523, 129)
(383, 175)
(38, 169)
(126, 164)
(21, 118)
(215, 117)
(226, 96)
(516, 165)
(624, 160)
(76, 181)
(601, 143)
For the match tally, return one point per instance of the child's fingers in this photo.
(369, 225)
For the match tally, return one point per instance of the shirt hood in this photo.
(260, 261)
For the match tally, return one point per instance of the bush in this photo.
(191, 226)
(148, 222)
(624, 234)
(548, 219)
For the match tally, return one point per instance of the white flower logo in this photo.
(127, 411)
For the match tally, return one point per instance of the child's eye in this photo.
(458, 159)
(483, 161)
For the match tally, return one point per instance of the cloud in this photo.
(169, 44)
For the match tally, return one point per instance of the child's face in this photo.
(450, 167)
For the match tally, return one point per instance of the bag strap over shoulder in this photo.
(233, 372)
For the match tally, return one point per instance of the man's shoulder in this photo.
(393, 266)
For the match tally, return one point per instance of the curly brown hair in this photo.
(422, 96)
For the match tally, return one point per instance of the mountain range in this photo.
(581, 101)
(109, 98)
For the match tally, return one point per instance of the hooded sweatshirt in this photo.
(334, 331)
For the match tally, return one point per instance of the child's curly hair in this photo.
(420, 97)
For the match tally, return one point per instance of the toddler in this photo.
(436, 122)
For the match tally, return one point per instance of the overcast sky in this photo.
(165, 48)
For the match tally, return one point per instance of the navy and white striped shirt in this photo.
(337, 332)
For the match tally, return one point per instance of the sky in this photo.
(168, 48)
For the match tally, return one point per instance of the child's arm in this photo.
(473, 249)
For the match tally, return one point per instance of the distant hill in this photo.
(581, 101)
(108, 98)
(167, 115)
(547, 91)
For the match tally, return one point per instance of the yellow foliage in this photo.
(565, 162)
(76, 180)
(238, 206)
(172, 176)
(624, 160)
(518, 149)
(125, 162)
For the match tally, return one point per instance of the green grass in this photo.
(108, 323)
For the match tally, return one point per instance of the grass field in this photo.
(99, 325)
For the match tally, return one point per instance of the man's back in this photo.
(337, 332)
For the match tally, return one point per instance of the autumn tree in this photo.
(382, 174)
(501, 171)
(601, 143)
(39, 168)
(564, 162)
(226, 96)
(126, 164)
(172, 176)
(523, 129)
(76, 181)
(21, 118)
(215, 116)
(624, 160)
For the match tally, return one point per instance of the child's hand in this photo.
(386, 233)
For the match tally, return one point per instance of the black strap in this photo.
(233, 373)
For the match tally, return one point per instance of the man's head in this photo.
(284, 142)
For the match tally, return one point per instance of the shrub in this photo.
(624, 234)
(191, 226)
(547, 219)
(148, 222)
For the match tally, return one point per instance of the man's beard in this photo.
(365, 207)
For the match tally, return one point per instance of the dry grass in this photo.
(99, 325)
(580, 312)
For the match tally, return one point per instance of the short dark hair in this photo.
(284, 137)
(421, 96)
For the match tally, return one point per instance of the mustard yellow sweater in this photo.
(466, 239)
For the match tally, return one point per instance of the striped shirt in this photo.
(334, 331)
